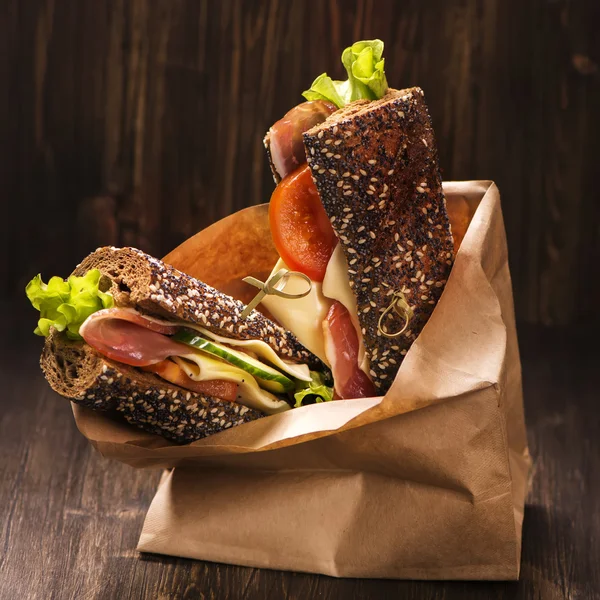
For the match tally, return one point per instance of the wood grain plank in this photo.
(8, 175)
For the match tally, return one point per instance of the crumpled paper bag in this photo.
(427, 482)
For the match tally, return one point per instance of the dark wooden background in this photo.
(140, 122)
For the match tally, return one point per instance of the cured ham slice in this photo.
(130, 338)
(171, 371)
(285, 136)
(341, 348)
(133, 316)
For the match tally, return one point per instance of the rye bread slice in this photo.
(80, 374)
(140, 281)
(375, 166)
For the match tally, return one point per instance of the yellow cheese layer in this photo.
(304, 316)
(201, 367)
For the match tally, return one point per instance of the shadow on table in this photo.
(559, 558)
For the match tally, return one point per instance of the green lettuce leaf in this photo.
(316, 388)
(65, 305)
(366, 76)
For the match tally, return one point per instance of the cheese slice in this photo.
(336, 286)
(302, 316)
(200, 367)
(262, 350)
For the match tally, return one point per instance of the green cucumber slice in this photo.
(266, 376)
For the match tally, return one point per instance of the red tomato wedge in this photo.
(171, 371)
(299, 224)
(341, 347)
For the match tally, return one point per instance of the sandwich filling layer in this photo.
(326, 322)
(171, 350)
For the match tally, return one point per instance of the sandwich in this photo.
(359, 208)
(130, 334)
(358, 213)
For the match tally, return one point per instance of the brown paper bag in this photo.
(427, 482)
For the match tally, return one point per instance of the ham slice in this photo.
(133, 316)
(341, 348)
(126, 336)
(285, 136)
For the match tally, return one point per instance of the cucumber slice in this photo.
(267, 377)
(272, 385)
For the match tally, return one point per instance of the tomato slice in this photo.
(171, 371)
(300, 227)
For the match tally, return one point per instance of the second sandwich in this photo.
(359, 208)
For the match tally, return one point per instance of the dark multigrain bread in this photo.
(138, 280)
(267, 144)
(375, 166)
(80, 374)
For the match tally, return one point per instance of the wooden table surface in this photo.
(70, 519)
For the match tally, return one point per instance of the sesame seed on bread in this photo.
(140, 281)
(375, 166)
(79, 373)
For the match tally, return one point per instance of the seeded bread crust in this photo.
(80, 374)
(375, 166)
(140, 281)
